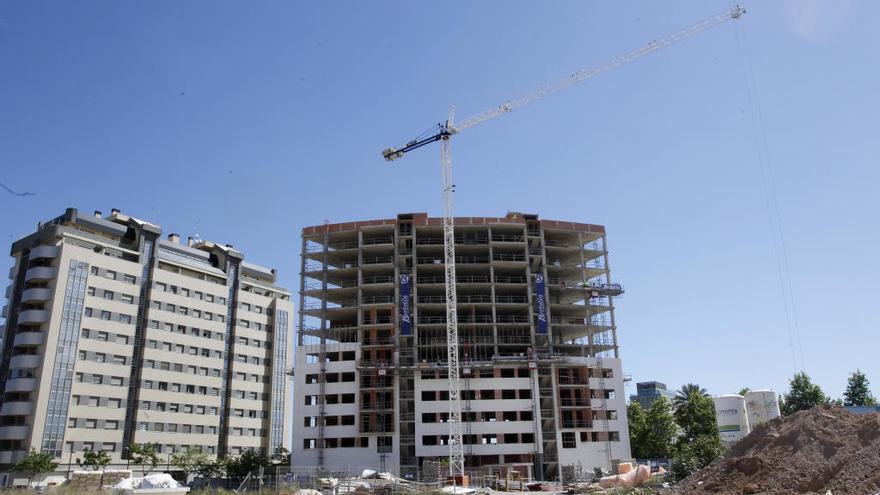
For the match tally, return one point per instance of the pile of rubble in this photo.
(815, 451)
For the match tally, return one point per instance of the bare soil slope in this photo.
(824, 448)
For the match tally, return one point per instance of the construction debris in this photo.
(152, 483)
(815, 451)
(630, 478)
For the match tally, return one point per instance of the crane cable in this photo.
(772, 203)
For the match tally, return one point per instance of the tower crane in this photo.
(443, 132)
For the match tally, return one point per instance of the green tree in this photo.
(281, 457)
(638, 430)
(699, 443)
(857, 391)
(92, 459)
(190, 461)
(212, 468)
(248, 461)
(697, 418)
(743, 391)
(695, 455)
(803, 394)
(144, 454)
(684, 394)
(661, 429)
(35, 463)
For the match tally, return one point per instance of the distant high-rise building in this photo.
(541, 380)
(115, 336)
(648, 392)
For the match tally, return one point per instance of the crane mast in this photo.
(456, 444)
(444, 133)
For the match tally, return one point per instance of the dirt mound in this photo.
(811, 451)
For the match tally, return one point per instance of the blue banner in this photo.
(540, 303)
(405, 315)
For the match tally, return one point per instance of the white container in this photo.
(762, 406)
(731, 417)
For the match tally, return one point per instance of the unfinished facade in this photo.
(542, 386)
(115, 336)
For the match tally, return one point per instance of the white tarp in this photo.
(160, 480)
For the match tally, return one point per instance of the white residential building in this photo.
(115, 336)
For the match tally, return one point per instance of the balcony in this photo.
(377, 299)
(372, 241)
(39, 273)
(508, 257)
(22, 408)
(12, 456)
(379, 320)
(377, 406)
(14, 432)
(378, 280)
(474, 298)
(33, 317)
(432, 299)
(21, 385)
(43, 252)
(28, 339)
(377, 260)
(507, 238)
(36, 295)
(27, 361)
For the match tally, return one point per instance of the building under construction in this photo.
(541, 381)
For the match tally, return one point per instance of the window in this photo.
(108, 294)
(114, 403)
(100, 357)
(111, 424)
(117, 359)
(127, 298)
(110, 274)
(568, 440)
(109, 447)
(125, 319)
(103, 336)
(91, 291)
(105, 315)
(129, 279)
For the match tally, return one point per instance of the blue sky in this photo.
(244, 122)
